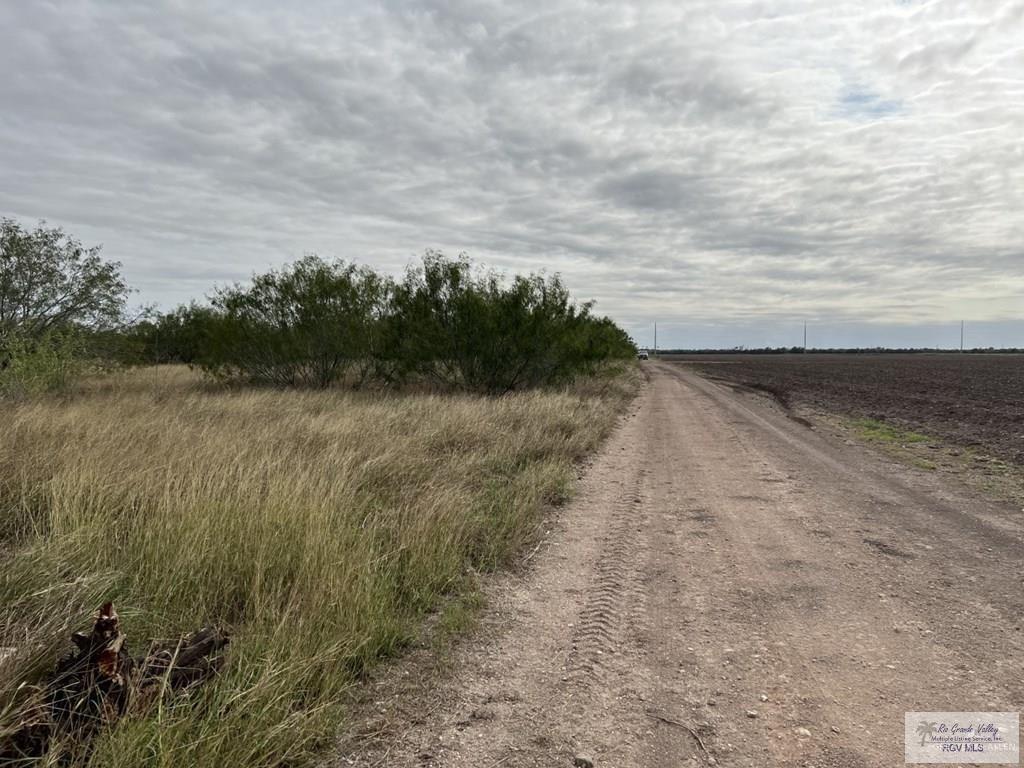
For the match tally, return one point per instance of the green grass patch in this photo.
(458, 617)
(882, 432)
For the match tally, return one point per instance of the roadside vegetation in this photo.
(335, 465)
(446, 324)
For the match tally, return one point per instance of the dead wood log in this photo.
(95, 685)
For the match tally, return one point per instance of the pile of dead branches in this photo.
(100, 682)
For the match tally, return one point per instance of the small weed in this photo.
(459, 617)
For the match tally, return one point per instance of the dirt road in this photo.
(730, 588)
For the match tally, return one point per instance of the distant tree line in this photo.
(314, 323)
(840, 351)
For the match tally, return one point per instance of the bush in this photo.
(309, 325)
(469, 330)
(31, 366)
(179, 336)
(316, 324)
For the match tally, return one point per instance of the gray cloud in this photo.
(701, 162)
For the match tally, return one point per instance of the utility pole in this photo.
(655, 338)
(961, 335)
(805, 335)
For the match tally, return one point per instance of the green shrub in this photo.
(316, 323)
(34, 366)
(468, 329)
(310, 324)
(179, 336)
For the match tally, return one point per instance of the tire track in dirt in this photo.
(600, 629)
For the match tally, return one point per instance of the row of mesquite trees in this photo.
(317, 323)
(314, 323)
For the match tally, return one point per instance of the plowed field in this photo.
(971, 400)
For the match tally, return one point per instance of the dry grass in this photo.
(318, 526)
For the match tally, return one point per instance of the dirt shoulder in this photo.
(729, 587)
(929, 455)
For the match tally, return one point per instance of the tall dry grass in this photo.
(318, 526)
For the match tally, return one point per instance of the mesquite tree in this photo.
(312, 323)
(318, 323)
(50, 281)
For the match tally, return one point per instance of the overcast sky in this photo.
(730, 168)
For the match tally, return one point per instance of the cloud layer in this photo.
(726, 162)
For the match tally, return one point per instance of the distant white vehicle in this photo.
(643, 355)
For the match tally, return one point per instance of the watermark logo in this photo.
(962, 737)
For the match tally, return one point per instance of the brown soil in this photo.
(729, 588)
(973, 400)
